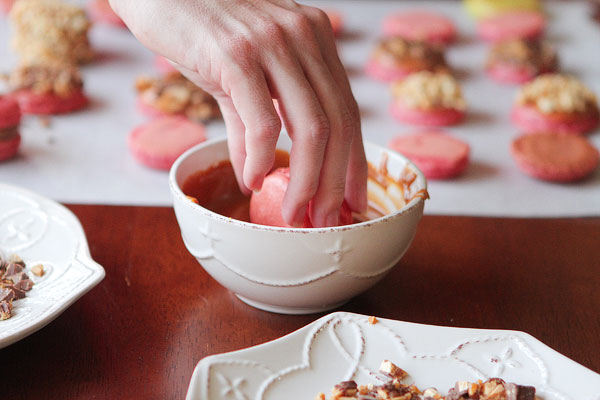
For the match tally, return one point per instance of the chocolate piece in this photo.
(6, 294)
(525, 392)
(5, 310)
(12, 269)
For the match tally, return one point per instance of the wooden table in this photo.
(142, 330)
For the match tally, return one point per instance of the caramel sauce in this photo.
(216, 189)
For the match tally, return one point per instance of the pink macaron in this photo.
(436, 154)
(530, 120)
(265, 205)
(426, 117)
(158, 143)
(101, 11)
(512, 25)
(420, 25)
(50, 103)
(555, 157)
(10, 117)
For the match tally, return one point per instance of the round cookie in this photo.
(430, 99)
(10, 117)
(488, 8)
(265, 205)
(556, 103)
(101, 11)
(438, 155)
(50, 103)
(395, 58)
(420, 25)
(158, 143)
(555, 157)
(518, 61)
(512, 25)
(10, 113)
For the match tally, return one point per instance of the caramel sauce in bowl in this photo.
(294, 270)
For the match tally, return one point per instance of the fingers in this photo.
(235, 140)
(253, 103)
(357, 172)
(308, 127)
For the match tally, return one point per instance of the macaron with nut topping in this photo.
(556, 103)
(428, 98)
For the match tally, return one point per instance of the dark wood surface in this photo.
(142, 330)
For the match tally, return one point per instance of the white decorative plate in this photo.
(42, 231)
(343, 346)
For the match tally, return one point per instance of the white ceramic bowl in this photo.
(287, 270)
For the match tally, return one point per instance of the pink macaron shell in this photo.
(436, 154)
(101, 11)
(414, 116)
(384, 73)
(510, 74)
(512, 25)
(548, 159)
(420, 25)
(8, 148)
(50, 103)
(163, 65)
(150, 111)
(530, 120)
(158, 143)
(10, 112)
(6, 5)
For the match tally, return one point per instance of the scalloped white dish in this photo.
(42, 231)
(343, 346)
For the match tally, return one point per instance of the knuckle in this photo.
(320, 130)
(267, 130)
(300, 23)
(268, 31)
(239, 47)
(318, 16)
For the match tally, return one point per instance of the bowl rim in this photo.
(177, 192)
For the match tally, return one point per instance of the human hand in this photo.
(247, 53)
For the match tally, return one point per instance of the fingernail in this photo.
(332, 219)
(298, 221)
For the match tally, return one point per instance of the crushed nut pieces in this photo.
(416, 55)
(534, 56)
(49, 31)
(14, 283)
(393, 389)
(430, 91)
(175, 94)
(558, 93)
(59, 79)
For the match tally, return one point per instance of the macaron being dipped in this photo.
(555, 157)
(48, 89)
(395, 58)
(265, 205)
(420, 25)
(518, 61)
(10, 117)
(528, 25)
(100, 11)
(430, 99)
(158, 143)
(556, 103)
(437, 154)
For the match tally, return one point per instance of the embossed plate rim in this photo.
(259, 357)
(82, 256)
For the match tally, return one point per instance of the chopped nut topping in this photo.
(534, 56)
(14, 283)
(373, 320)
(557, 93)
(428, 90)
(50, 31)
(38, 270)
(320, 396)
(414, 55)
(389, 368)
(175, 94)
(59, 79)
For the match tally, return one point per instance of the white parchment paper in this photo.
(83, 157)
